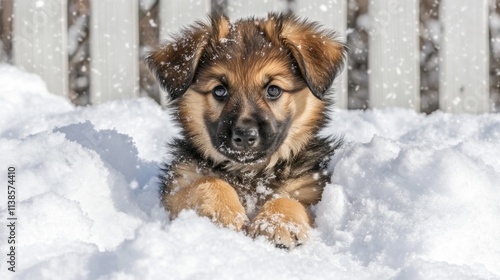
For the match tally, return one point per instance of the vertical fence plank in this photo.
(1, 45)
(258, 8)
(3, 20)
(464, 64)
(331, 14)
(177, 14)
(114, 50)
(394, 54)
(40, 39)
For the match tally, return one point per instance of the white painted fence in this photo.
(114, 50)
(40, 30)
(464, 67)
(40, 41)
(394, 54)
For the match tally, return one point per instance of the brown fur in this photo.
(210, 197)
(275, 179)
(284, 221)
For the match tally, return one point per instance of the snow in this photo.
(413, 197)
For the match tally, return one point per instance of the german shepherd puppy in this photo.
(250, 98)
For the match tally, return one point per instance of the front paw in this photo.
(283, 221)
(217, 200)
(229, 216)
(210, 197)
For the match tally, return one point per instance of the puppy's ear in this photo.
(174, 64)
(319, 55)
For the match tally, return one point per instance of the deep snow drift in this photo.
(413, 197)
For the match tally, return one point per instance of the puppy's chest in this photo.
(254, 188)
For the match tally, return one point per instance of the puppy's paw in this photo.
(214, 198)
(232, 217)
(283, 221)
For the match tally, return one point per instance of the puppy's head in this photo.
(252, 91)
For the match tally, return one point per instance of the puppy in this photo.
(250, 98)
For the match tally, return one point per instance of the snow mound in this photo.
(413, 197)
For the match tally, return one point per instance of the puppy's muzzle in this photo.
(245, 135)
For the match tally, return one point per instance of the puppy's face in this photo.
(245, 98)
(252, 91)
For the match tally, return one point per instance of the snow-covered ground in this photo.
(413, 197)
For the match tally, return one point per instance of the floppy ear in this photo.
(174, 64)
(319, 55)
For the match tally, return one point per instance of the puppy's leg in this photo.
(283, 221)
(210, 197)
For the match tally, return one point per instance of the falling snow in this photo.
(412, 197)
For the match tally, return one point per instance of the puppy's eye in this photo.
(219, 92)
(273, 92)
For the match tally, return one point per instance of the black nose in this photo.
(245, 135)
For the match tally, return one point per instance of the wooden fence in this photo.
(40, 40)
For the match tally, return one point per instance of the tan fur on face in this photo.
(305, 108)
(245, 85)
(307, 112)
(192, 109)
